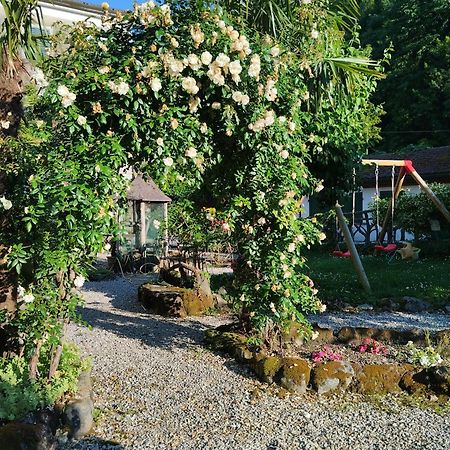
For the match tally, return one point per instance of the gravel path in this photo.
(156, 387)
(392, 320)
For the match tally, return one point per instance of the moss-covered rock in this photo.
(162, 300)
(324, 335)
(242, 353)
(380, 378)
(195, 302)
(295, 375)
(172, 301)
(413, 383)
(331, 376)
(267, 368)
(226, 341)
(437, 379)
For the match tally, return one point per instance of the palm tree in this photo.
(17, 45)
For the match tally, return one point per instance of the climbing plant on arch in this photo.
(192, 99)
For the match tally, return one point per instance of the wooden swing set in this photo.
(406, 167)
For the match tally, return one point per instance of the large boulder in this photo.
(380, 378)
(172, 301)
(436, 379)
(295, 375)
(78, 414)
(331, 376)
(267, 367)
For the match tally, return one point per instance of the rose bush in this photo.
(190, 97)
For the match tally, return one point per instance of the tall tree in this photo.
(17, 47)
(416, 91)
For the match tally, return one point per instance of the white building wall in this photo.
(65, 13)
(369, 195)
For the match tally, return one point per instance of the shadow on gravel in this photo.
(160, 332)
(92, 443)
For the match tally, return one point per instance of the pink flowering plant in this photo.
(326, 354)
(369, 345)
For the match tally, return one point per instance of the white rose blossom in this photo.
(193, 61)
(67, 97)
(168, 161)
(104, 69)
(155, 84)
(222, 60)
(175, 67)
(206, 58)
(189, 84)
(7, 204)
(79, 281)
(28, 298)
(197, 35)
(81, 120)
(255, 67)
(191, 152)
(275, 51)
(194, 103)
(156, 224)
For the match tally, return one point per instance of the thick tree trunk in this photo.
(11, 113)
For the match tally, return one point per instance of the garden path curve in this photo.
(156, 387)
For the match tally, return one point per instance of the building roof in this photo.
(147, 191)
(80, 6)
(432, 164)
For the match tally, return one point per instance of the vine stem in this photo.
(34, 361)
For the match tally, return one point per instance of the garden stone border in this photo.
(297, 374)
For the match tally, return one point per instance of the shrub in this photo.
(19, 395)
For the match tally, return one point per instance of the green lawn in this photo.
(428, 279)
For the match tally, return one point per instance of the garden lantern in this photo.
(146, 218)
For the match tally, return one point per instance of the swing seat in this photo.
(341, 254)
(386, 249)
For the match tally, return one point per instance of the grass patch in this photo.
(336, 279)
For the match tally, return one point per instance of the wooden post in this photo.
(395, 194)
(166, 230)
(356, 260)
(439, 205)
(143, 237)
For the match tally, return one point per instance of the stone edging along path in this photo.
(297, 374)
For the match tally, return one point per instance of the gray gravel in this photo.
(392, 320)
(156, 387)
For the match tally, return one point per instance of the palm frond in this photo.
(16, 32)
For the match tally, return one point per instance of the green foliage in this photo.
(191, 125)
(336, 279)
(413, 212)
(200, 227)
(202, 105)
(342, 77)
(416, 91)
(19, 395)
